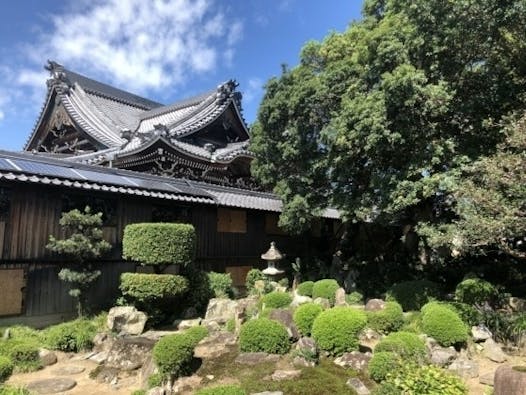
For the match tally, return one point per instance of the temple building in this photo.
(134, 160)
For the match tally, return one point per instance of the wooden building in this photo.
(135, 161)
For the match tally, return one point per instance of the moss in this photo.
(305, 288)
(276, 300)
(325, 289)
(222, 390)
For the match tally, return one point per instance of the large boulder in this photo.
(215, 345)
(510, 380)
(339, 298)
(221, 310)
(126, 320)
(323, 302)
(129, 353)
(356, 360)
(494, 352)
(443, 356)
(374, 305)
(465, 368)
(284, 317)
(47, 357)
(299, 299)
(481, 333)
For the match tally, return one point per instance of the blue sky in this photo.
(161, 49)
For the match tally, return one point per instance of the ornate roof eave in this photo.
(50, 96)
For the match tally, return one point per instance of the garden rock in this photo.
(215, 345)
(464, 368)
(494, 352)
(186, 324)
(369, 334)
(253, 358)
(182, 384)
(374, 305)
(509, 381)
(339, 299)
(156, 391)
(303, 362)
(99, 357)
(299, 299)
(307, 345)
(280, 375)
(220, 310)
(487, 379)
(517, 304)
(51, 386)
(47, 357)
(284, 316)
(147, 369)
(102, 342)
(354, 359)
(68, 370)
(323, 302)
(129, 353)
(442, 356)
(357, 385)
(211, 325)
(481, 333)
(126, 320)
(105, 374)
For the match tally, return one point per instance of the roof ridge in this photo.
(178, 105)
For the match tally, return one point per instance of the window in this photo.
(271, 224)
(108, 207)
(231, 221)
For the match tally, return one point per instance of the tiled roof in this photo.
(33, 168)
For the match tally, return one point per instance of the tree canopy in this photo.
(384, 120)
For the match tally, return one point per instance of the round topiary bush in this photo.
(390, 319)
(475, 291)
(336, 330)
(325, 289)
(412, 295)
(71, 336)
(145, 288)
(264, 335)
(305, 315)
(159, 243)
(196, 334)
(221, 284)
(354, 297)
(382, 363)
(6, 368)
(406, 344)
(173, 354)
(254, 275)
(222, 390)
(444, 325)
(305, 288)
(276, 300)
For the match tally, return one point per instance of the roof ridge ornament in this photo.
(225, 91)
(57, 76)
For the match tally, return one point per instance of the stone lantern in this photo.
(272, 256)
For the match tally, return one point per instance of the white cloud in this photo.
(254, 89)
(1, 115)
(138, 45)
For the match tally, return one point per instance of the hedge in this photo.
(382, 363)
(412, 295)
(475, 291)
(265, 335)
(173, 354)
(276, 300)
(159, 243)
(305, 288)
(390, 319)
(305, 315)
(407, 345)
(221, 284)
(444, 325)
(325, 289)
(336, 330)
(144, 287)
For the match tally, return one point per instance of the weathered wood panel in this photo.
(12, 284)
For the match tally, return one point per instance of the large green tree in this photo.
(380, 120)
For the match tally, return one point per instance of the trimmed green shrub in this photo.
(230, 325)
(254, 275)
(390, 319)
(173, 354)
(276, 300)
(199, 283)
(469, 314)
(475, 291)
(265, 335)
(6, 368)
(155, 380)
(386, 388)
(305, 288)
(142, 287)
(336, 330)
(354, 297)
(412, 322)
(71, 336)
(222, 390)
(196, 333)
(444, 325)
(325, 289)
(12, 390)
(221, 284)
(159, 243)
(412, 295)
(407, 345)
(305, 315)
(382, 363)
(426, 380)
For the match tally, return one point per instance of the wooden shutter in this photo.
(231, 221)
(12, 283)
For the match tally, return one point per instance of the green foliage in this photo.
(85, 242)
(265, 335)
(221, 284)
(325, 289)
(412, 322)
(173, 354)
(11, 390)
(222, 390)
(412, 295)
(196, 334)
(444, 325)
(146, 288)
(354, 297)
(73, 336)
(475, 291)
(276, 300)
(199, 283)
(336, 330)
(155, 380)
(139, 392)
(6, 368)
(407, 345)
(254, 275)
(426, 380)
(390, 319)
(382, 363)
(159, 243)
(386, 388)
(304, 317)
(24, 356)
(305, 288)
(230, 325)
